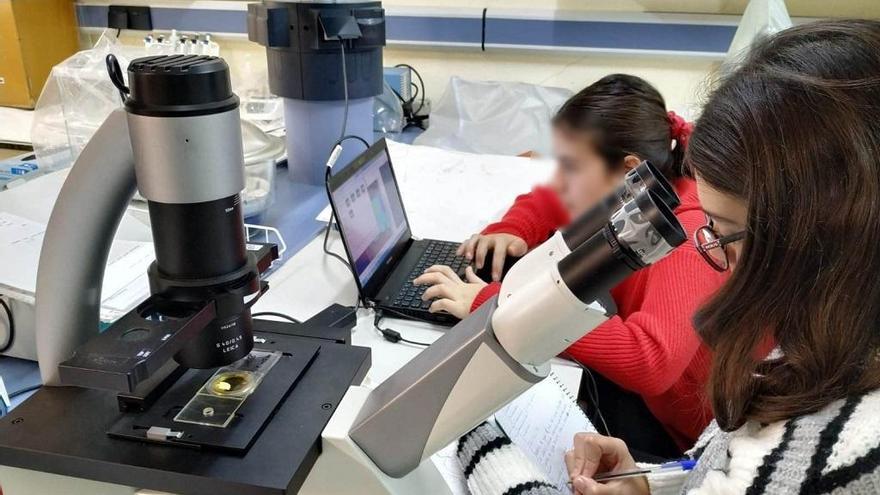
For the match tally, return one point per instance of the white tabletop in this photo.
(447, 195)
(311, 281)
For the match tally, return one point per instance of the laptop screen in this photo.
(370, 213)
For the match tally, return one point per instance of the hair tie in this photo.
(680, 129)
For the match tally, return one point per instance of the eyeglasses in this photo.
(711, 245)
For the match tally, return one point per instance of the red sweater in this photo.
(650, 346)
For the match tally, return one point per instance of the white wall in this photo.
(680, 79)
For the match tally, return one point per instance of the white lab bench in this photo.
(447, 195)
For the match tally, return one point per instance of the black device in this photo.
(643, 177)
(82, 433)
(637, 234)
(129, 17)
(302, 47)
(205, 278)
(375, 231)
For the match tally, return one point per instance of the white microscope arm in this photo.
(503, 348)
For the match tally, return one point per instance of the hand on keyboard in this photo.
(491, 251)
(450, 293)
(436, 253)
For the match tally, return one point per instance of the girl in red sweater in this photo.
(649, 348)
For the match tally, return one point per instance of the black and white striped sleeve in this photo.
(493, 465)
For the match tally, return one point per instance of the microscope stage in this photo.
(248, 420)
(63, 430)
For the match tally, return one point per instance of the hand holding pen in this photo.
(593, 453)
(668, 467)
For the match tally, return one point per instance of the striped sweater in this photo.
(835, 450)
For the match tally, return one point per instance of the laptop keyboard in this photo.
(436, 253)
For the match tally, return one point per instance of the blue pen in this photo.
(683, 465)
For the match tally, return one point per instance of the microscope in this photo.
(188, 394)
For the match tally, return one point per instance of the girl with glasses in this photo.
(786, 156)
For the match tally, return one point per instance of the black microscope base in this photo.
(63, 430)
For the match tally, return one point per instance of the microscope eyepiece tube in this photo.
(199, 240)
(639, 233)
(643, 177)
(185, 134)
(646, 176)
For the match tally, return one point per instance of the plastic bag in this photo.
(502, 118)
(761, 18)
(76, 99)
(250, 81)
(387, 111)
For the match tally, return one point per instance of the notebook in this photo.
(542, 422)
(125, 277)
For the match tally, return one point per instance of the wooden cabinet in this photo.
(34, 36)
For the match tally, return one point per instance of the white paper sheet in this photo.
(450, 195)
(125, 277)
(20, 242)
(449, 467)
(543, 422)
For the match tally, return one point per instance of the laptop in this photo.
(384, 256)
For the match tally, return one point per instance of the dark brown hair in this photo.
(795, 133)
(624, 115)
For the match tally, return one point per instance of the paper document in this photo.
(450, 468)
(450, 195)
(543, 422)
(125, 277)
(20, 242)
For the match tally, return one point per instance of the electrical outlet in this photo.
(129, 17)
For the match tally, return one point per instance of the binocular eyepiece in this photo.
(629, 230)
(645, 177)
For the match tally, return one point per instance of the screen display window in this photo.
(370, 216)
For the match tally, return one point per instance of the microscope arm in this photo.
(77, 243)
(504, 348)
(468, 374)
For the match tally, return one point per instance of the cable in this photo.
(336, 149)
(345, 92)
(393, 336)
(421, 83)
(115, 73)
(483, 31)
(411, 115)
(327, 248)
(416, 92)
(352, 136)
(11, 339)
(592, 391)
(327, 172)
(336, 256)
(387, 333)
(277, 315)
